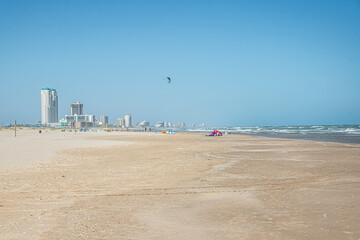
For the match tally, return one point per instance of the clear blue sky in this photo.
(233, 63)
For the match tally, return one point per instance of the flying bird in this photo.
(169, 79)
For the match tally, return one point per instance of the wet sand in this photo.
(183, 186)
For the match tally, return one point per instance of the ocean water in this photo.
(323, 133)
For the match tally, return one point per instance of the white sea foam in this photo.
(314, 129)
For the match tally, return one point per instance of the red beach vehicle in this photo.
(215, 133)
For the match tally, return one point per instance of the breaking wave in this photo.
(344, 129)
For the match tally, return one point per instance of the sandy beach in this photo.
(58, 185)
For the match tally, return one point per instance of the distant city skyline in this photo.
(231, 63)
(79, 119)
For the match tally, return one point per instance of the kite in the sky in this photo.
(169, 79)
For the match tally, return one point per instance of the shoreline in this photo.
(320, 138)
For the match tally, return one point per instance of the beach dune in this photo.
(57, 185)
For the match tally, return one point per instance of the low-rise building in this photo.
(120, 122)
(144, 124)
(104, 120)
(181, 124)
(80, 121)
(159, 124)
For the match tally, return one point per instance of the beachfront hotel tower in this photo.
(127, 120)
(49, 106)
(76, 108)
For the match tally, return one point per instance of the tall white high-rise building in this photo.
(127, 120)
(49, 106)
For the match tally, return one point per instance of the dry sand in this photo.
(183, 186)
